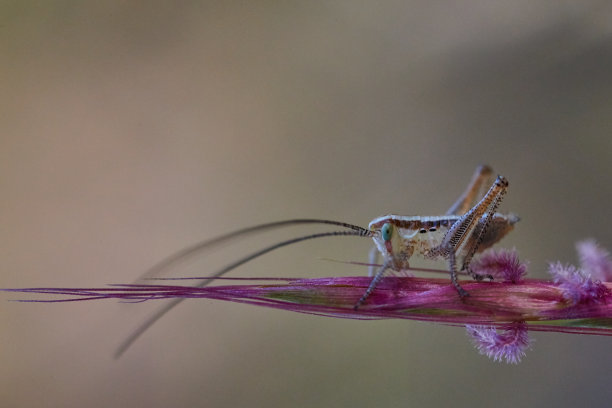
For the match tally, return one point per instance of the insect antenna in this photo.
(355, 231)
(199, 247)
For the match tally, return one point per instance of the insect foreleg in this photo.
(379, 275)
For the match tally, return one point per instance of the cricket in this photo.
(471, 225)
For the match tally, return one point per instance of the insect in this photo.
(469, 226)
(456, 236)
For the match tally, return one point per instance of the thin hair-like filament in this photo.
(355, 231)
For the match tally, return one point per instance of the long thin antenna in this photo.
(360, 232)
(195, 249)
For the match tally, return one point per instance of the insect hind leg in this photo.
(478, 277)
(466, 234)
(482, 178)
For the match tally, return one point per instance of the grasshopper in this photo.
(469, 226)
(455, 236)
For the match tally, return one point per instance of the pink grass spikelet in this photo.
(576, 284)
(501, 264)
(595, 260)
(508, 344)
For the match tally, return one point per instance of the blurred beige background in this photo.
(131, 129)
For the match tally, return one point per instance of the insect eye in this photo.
(386, 231)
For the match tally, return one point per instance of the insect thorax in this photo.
(423, 235)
